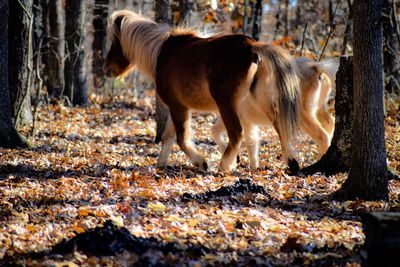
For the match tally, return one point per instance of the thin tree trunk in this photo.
(20, 60)
(257, 20)
(100, 15)
(286, 21)
(391, 48)
(278, 20)
(40, 8)
(162, 112)
(9, 136)
(56, 50)
(368, 175)
(75, 64)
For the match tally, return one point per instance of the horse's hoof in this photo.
(294, 167)
(205, 166)
(161, 165)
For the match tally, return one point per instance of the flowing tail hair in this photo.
(287, 88)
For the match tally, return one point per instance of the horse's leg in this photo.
(234, 130)
(181, 118)
(326, 120)
(287, 152)
(251, 137)
(217, 132)
(313, 128)
(168, 138)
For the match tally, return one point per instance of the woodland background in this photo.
(89, 155)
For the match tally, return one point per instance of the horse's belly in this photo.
(197, 96)
(252, 112)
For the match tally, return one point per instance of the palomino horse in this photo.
(317, 83)
(207, 75)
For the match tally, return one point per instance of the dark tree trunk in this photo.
(245, 16)
(278, 20)
(40, 36)
(9, 136)
(391, 48)
(338, 157)
(286, 21)
(75, 63)
(257, 20)
(20, 60)
(368, 175)
(162, 112)
(56, 50)
(347, 31)
(100, 15)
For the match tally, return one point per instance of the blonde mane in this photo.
(141, 39)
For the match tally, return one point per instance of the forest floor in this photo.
(97, 164)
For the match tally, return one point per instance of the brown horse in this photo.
(317, 83)
(208, 75)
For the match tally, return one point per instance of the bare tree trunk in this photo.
(9, 136)
(391, 48)
(20, 60)
(75, 64)
(347, 31)
(56, 50)
(286, 21)
(100, 15)
(257, 20)
(162, 112)
(278, 20)
(40, 9)
(368, 175)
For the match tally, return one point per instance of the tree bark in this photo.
(75, 63)
(100, 15)
(56, 50)
(368, 175)
(9, 136)
(40, 35)
(391, 48)
(20, 60)
(257, 20)
(338, 157)
(162, 112)
(286, 21)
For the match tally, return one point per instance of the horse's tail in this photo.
(287, 88)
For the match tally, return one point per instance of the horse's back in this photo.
(195, 71)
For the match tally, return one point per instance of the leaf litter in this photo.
(89, 194)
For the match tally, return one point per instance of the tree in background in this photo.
(76, 87)
(162, 112)
(257, 19)
(20, 60)
(9, 136)
(54, 68)
(391, 47)
(101, 11)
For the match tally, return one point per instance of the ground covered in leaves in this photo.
(89, 194)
